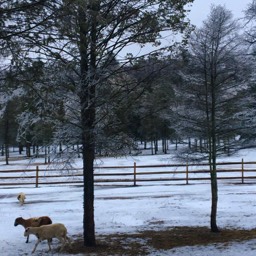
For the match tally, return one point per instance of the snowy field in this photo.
(131, 209)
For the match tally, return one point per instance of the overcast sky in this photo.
(200, 9)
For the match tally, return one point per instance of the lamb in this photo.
(21, 197)
(32, 222)
(47, 232)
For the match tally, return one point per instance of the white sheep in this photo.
(47, 232)
(21, 197)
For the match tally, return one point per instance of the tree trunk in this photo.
(6, 154)
(164, 145)
(88, 160)
(88, 53)
(214, 185)
(6, 134)
(20, 148)
(156, 146)
(88, 141)
(28, 149)
(213, 154)
(214, 192)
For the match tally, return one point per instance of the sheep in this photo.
(32, 222)
(21, 197)
(47, 232)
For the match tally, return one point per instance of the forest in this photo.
(164, 95)
(68, 81)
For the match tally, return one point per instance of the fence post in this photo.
(37, 175)
(134, 174)
(187, 173)
(242, 171)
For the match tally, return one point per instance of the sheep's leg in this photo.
(38, 241)
(49, 244)
(27, 239)
(63, 241)
(67, 239)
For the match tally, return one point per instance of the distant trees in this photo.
(250, 40)
(214, 93)
(14, 25)
(9, 109)
(153, 111)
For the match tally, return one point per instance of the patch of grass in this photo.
(190, 236)
(142, 242)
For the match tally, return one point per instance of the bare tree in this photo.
(214, 93)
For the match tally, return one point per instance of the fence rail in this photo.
(132, 175)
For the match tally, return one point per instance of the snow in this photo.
(130, 209)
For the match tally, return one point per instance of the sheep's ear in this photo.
(27, 229)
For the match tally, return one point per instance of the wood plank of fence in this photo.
(135, 174)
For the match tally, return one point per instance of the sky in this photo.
(200, 9)
(131, 209)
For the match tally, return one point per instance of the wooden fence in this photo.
(241, 172)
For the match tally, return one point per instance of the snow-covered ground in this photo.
(130, 209)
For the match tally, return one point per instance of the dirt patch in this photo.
(143, 242)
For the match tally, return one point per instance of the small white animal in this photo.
(21, 197)
(47, 232)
